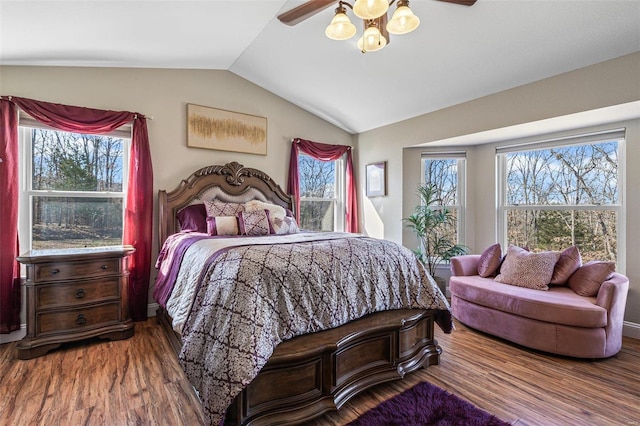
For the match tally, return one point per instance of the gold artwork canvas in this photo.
(213, 128)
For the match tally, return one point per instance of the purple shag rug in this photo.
(426, 404)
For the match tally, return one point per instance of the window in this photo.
(561, 193)
(321, 194)
(446, 171)
(73, 187)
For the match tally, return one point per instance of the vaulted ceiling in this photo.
(457, 54)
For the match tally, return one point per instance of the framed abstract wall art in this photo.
(223, 130)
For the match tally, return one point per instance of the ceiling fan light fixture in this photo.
(403, 20)
(340, 27)
(371, 40)
(370, 9)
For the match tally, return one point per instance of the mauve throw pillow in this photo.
(525, 269)
(569, 262)
(586, 281)
(255, 223)
(193, 218)
(490, 260)
(220, 208)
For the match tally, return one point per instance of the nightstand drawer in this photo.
(60, 271)
(72, 319)
(60, 295)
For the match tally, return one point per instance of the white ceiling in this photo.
(457, 54)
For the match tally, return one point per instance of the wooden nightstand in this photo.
(73, 294)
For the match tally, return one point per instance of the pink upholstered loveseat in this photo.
(557, 321)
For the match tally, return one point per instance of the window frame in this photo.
(26, 193)
(461, 158)
(338, 201)
(503, 208)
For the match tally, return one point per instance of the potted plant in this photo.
(432, 224)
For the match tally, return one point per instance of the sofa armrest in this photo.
(465, 265)
(612, 296)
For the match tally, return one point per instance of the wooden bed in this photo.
(311, 374)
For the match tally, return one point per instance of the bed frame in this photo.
(315, 373)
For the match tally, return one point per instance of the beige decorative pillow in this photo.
(587, 280)
(223, 225)
(569, 262)
(287, 225)
(525, 269)
(490, 260)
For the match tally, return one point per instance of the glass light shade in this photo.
(371, 40)
(403, 21)
(340, 28)
(370, 9)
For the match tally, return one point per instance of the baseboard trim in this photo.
(151, 309)
(631, 329)
(15, 336)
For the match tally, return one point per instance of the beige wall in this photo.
(164, 94)
(602, 85)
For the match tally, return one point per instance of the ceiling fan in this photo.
(373, 13)
(310, 8)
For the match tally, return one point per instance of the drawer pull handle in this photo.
(81, 319)
(80, 294)
(103, 267)
(54, 271)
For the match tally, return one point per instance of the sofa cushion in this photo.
(587, 280)
(490, 260)
(525, 269)
(559, 305)
(569, 262)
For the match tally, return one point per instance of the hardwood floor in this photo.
(139, 382)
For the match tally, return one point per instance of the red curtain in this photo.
(9, 268)
(139, 208)
(324, 152)
(138, 219)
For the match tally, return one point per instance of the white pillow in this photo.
(275, 211)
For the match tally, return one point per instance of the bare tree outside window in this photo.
(317, 193)
(442, 175)
(76, 189)
(563, 196)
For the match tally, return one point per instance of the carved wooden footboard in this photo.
(315, 373)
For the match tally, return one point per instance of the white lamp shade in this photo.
(340, 28)
(370, 9)
(371, 40)
(403, 21)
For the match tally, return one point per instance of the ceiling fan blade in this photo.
(462, 2)
(304, 11)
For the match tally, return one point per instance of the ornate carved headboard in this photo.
(231, 182)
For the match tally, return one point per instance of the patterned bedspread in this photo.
(250, 298)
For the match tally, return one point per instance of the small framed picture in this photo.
(376, 179)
